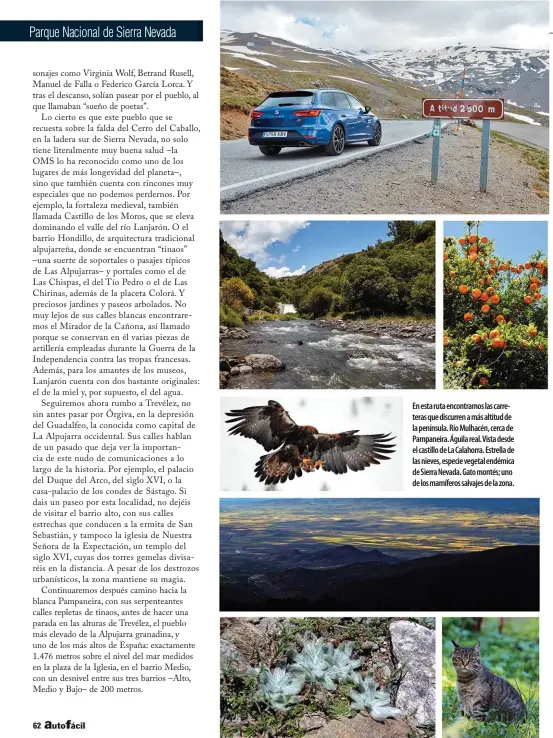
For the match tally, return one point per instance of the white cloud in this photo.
(252, 238)
(284, 271)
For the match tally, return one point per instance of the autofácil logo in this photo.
(68, 725)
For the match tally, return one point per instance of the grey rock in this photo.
(413, 647)
(223, 379)
(362, 726)
(312, 721)
(264, 363)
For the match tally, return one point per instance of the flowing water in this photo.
(334, 358)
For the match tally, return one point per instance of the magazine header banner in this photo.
(189, 30)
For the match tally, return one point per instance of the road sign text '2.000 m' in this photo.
(478, 109)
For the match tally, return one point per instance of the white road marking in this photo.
(321, 165)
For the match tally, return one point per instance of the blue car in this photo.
(327, 118)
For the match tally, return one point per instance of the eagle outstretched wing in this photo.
(342, 451)
(280, 465)
(269, 424)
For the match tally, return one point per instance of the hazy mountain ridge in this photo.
(504, 578)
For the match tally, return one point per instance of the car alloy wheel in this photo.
(376, 139)
(338, 139)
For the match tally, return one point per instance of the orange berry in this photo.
(485, 308)
(484, 297)
(541, 347)
(514, 269)
(468, 316)
(476, 293)
(472, 239)
(528, 299)
(462, 241)
(476, 338)
(483, 381)
(492, 261)
(500, 319)
(498, 343)
(528, 265)
(537, 296)
(446, 257)
(463, 289)
(473, 249)
(532, 332)
(446, 340)
(495, 299)
(473, 257)
(494, 334)
(484, 239)
(452, 275)
(524, 344)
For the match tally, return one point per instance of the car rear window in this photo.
(300, 97)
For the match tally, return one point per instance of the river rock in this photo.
(264, 363)
(362, 726)
(243, 369)
(224, 365)
(223, 379)
(235, 333)
(413, 646)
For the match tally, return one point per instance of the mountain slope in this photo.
(393, 82)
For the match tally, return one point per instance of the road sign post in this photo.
(485, 156)
(436, 136)
(485, 109)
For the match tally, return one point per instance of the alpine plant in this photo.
(367, 696)
(279, 688)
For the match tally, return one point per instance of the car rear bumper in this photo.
(310, 136)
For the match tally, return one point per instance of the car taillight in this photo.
(256, 114)
(307, 113)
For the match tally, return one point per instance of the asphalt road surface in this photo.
(535, 135)
(245, 170)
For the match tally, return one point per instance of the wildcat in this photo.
(483, 695)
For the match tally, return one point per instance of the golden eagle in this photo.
(301, 448)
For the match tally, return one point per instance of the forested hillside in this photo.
(393, 277)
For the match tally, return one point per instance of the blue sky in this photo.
(514, 239)
(286, 247)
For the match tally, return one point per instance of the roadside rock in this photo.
(264, 363)
(362, 726)
(413, 647)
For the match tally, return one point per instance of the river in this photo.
(334, 358)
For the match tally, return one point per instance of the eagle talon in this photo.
(319, 464)
(307, 464)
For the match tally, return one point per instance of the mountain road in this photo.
(245, 170)
(534, 135)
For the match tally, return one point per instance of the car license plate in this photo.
(275, 134)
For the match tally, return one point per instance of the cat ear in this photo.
(477, 648)
(455, 645)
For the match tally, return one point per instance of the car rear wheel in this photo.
(337, 142)
(270, 150)
(377, 138)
